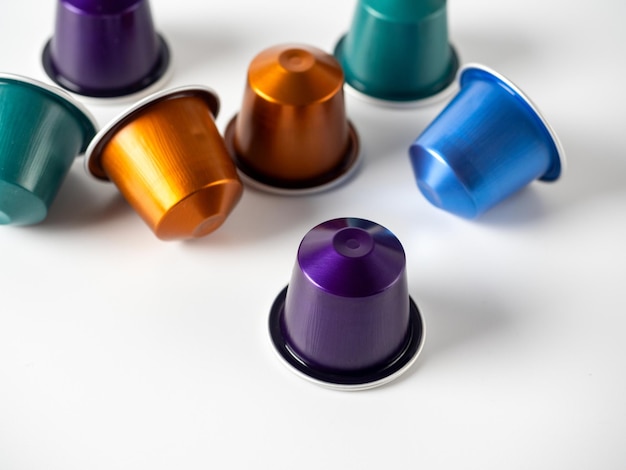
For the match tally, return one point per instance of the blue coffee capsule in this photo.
(487, 143)
(346, 320)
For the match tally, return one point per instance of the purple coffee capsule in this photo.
(346, 320)
(105, 48)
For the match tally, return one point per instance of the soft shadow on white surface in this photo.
(258, 216)
(455, 320)
(596, 168)
(195, 47)
(454, 324)
(493, 47)
(523, 208)
(384, 131)
(80, 202)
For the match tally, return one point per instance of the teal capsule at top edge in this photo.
(398, 50)
(42, 130)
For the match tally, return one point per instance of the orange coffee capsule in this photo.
(292, 134)
(169, 161)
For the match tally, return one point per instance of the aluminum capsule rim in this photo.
(558, 164)
(66, 99)
(349, 165)
(94, 151)
(438, 98)
(349, 382)
(160, 74)
(410, 101)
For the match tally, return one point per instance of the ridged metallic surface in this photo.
(169, 161)
(489, 142)
(292, 131)
(105, 48)
(346, 316)
(42, 130)
(398, 51)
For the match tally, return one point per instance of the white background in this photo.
(120, 351)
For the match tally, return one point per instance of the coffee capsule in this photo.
(105, 48)
(169, 161)
(397, 53)
(346, 320)
(291, 135)
(42, 130)
(488, 142)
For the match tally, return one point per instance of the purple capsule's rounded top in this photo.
(105, 49)
(351, 257)
(101, 7)
(346, 319)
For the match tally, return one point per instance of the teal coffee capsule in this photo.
(42, 130)
(398, 51)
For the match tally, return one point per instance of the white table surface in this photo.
(121, 351)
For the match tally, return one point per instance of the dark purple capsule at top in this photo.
(346, 319)
(105, 48)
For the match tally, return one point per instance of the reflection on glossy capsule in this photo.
(346, 321)
(169, 161)
(291, 135)
(105, 48)
(489, 142)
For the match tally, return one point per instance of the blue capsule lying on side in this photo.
(487, 143)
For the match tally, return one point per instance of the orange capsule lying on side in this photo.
(292, 134)
(169, 161)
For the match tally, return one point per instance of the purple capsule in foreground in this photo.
(346, 320)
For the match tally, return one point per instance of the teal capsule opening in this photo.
(41, 133)
(398, 50)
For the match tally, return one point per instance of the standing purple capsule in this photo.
(346, 320)
(105, 48)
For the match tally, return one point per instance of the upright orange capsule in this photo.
(292, 134)
(169, 161)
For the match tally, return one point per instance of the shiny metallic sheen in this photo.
(292, 133)
(42, 130)
(346, 319)
(398, 51)
(489, 142)
(169, 161)
(105, 48)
